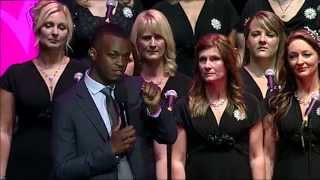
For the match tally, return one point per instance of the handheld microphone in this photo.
(123, 114)
(314, 98)
(269, 73)
(121, 99)
(111, 4)
(77, 76)
(171, 95)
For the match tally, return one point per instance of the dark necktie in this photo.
(111, 106)
(123, 169)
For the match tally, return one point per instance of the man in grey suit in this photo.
(90, 141)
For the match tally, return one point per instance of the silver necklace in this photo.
(51, 78)
(301, 100)
(284, 10)
(218, 104)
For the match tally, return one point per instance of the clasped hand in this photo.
(123, 139)
(151, 95)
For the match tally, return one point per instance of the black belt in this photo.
(221, 143)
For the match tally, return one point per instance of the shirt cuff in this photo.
(155, 114)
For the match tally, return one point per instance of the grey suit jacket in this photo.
(81, 146)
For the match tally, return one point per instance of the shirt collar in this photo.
(93, 86)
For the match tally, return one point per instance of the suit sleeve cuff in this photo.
(155, 114)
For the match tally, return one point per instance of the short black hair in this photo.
(108, 28)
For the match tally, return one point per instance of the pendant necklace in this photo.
(284, 10)
(51, 78)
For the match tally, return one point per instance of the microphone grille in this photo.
(171, 92)
(269, 72)
(112, 2)
(77, 76)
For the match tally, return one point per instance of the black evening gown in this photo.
(30, 156)
(85, 25)
(218, 151)
(180, 83)
(216, 16)
(298, 159)
(308, 15)
(251, 87)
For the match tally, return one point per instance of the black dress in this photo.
(30, 156)
(251, 87)
(216, 16)
(180, 83)
(86, 23)
(218, 151)
(294, 161)
(308, 15)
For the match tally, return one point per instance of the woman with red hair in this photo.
(220, 132)
(296, 128)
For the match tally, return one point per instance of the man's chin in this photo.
(116, 77)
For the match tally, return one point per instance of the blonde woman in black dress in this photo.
(27, 91)
(153, 40)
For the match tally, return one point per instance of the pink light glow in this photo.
(17, 40)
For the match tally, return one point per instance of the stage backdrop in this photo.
(17, 42)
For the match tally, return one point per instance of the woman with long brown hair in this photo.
(220, 132)
(296, 129)
(294, 14)
(265, 38)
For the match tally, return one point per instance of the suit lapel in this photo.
(88, 107)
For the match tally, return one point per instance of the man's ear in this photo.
(92, 53)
